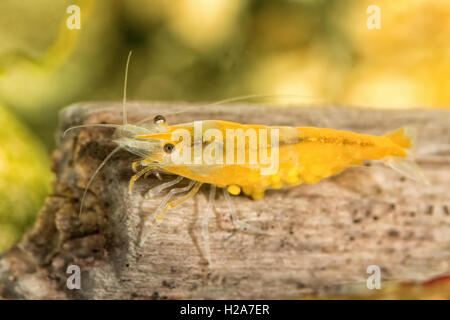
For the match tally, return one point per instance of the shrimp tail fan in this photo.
(406, 138)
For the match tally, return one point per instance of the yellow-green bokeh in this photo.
(24, 178)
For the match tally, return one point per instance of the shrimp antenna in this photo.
(124, 107)
(109, 156)
(106, 125)
(256, 96)
(234, 99)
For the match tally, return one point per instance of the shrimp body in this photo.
(305, 155)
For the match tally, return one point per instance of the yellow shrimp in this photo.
(302, 155)
(306, 155)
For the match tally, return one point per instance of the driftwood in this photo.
(324, 235)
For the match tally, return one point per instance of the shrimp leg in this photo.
(154, 191)
(205, 223)
(135, 165)
(158, 216)
(137, 176)
(156, 173)
(243, 226)
(189, 195)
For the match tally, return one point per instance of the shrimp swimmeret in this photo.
(249, 159)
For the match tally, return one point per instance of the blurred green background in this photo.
(201, 50)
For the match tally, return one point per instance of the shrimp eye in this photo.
(169, 147)
(159, 119)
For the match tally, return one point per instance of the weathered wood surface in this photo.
(325, 234)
